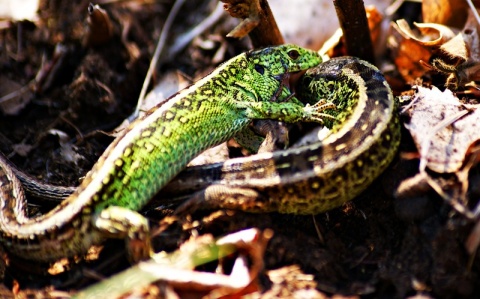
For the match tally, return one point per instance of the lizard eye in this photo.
(293, 54)
(259, 69)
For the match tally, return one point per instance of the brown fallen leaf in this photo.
(459, 58)
(442, 128)
(444, 131)
(410, 47)
(447, 12)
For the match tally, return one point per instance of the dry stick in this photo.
(258, 22)
(266, 33)
(474, 10)
(353, 21)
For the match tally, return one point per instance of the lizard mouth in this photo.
(294, 77)
(290, 80)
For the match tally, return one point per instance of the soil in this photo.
(373, 247)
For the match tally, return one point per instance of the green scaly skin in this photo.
(313, 178)
(306, 180)
(150, 152)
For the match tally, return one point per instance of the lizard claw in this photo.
(314, 112)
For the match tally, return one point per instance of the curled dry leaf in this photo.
(451, 52)
(460, 56)
(457, 47)
(407, 53)
(410, 48)
(429, 34)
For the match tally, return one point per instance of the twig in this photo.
(186, 38)
(156, 55)
(474, 10)
(258, 22)
(353, 21)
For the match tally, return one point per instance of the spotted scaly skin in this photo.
(314, 178)
(150, 152)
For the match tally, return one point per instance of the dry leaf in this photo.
(454, 54)
(442, 128)
(468, 40)
(429, 34)
(445, 132)
(408, 51)
(447, 12)
(460, 56)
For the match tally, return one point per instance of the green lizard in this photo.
(313, 178)
(150, 152)
(364, 140)
(365, 133)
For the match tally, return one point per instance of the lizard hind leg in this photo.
(223, 197)
(120, 222)
(263, 135)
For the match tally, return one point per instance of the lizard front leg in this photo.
(223, 196)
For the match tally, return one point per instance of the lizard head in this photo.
(283, 59)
